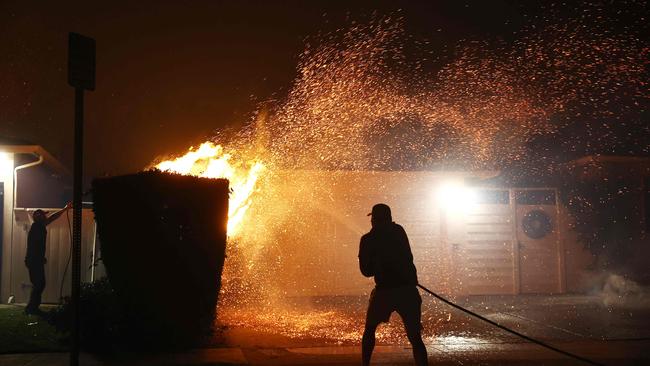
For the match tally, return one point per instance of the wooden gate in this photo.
(510, 245)
(537, 241)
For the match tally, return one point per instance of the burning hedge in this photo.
(163, 240)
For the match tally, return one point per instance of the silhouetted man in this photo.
(35, 257)
(385, 253)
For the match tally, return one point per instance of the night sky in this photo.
(170, 74)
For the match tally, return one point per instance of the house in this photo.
(30, 179)
(467, 237)
(471, 232)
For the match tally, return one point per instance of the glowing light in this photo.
(455, 197)
(6, 164)
(210, 161)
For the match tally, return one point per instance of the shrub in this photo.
(163, 240)
(101, 322)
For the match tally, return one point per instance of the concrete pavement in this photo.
(631, 352)
(609, 333)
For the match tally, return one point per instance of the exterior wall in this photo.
(321, 216)
(486, 259)
(38, 186)
(492, 254)
(6, 177)
(57, 254)
(479, 251)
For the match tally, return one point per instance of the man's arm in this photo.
(405, 243)
(54, 216)
(365, 260)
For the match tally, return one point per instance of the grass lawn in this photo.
(21, 333)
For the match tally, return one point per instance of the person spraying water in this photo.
(35, 257)
(385, 254)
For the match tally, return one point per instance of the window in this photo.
(492, 197)
(536, 197)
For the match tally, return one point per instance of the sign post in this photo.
(81, 76)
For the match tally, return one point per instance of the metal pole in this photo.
(76, 221)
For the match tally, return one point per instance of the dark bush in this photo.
(163, 240)
(606, 214)
(101, 322)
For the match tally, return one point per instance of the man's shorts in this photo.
(405, 300)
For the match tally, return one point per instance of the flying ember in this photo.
(359, 107)
(210, 161)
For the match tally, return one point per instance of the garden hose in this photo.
(533, 340)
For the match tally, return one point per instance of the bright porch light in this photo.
(455, 197)
(6, 164)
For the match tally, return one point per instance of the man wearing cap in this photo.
(385, 254)
(35, 256)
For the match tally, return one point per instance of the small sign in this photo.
(81, 61)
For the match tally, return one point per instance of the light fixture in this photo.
(6, 164)
(455, 197)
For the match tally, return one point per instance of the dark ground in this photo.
(612, 331)
(26, 333)
(609, 329)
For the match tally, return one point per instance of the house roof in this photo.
(6, 140)
(591, 159)
(608, 166)
(19, 146)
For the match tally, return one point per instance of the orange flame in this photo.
(210, 161)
